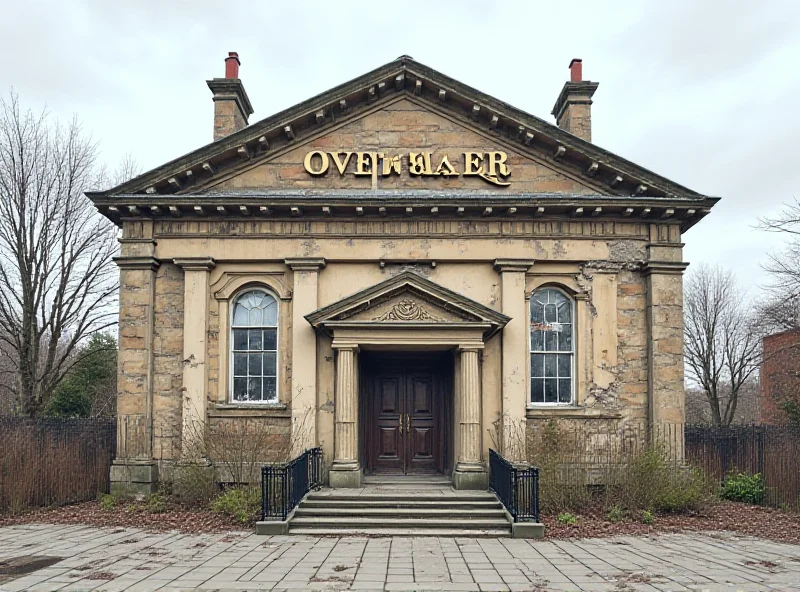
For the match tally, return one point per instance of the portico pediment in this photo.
(407, 301)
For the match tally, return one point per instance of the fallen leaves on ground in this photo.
(769, 523)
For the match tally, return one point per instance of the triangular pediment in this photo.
(424, 147)
(397, 109)
(407, 299)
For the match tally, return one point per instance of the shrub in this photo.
(107, 502)
(741, 487)
(156, 503)
(567, 518)
(194, 484)
(243, 504)
(616, 514)
(647, 517)
(650, 480)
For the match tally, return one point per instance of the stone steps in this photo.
(427, 508)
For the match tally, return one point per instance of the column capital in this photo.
(149, 263)
(196, 263)
(513, 265)
(664, 267)
(305, 263)
(469, 348)
(351, 347)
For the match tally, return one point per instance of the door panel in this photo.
(389, 452)
(421, 448)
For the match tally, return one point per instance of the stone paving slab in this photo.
(117, 559)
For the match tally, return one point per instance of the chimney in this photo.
(573, 109)
(231, 105)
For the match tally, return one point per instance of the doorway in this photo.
(405, 399)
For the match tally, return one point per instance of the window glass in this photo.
(254, 348)
(552, 347)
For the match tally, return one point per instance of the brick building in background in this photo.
(402, 270)
(780, 375)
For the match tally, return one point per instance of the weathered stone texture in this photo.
(399, 128)
(168, 361)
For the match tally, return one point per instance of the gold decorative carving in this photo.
(408, 310)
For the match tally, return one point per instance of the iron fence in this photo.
(50, 461)
(284, 485)
(517, 488)
(771, 450)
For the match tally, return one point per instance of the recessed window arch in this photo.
(254, 347)
(552, 343)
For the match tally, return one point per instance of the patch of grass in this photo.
(616, 514)
(567, 518)
(647, 517)
(107, 502)
(243, 504)
(740, 487)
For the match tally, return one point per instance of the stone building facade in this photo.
(403, 271)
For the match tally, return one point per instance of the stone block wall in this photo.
(168, 362)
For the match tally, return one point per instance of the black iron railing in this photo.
(284, 485)
(518, 489)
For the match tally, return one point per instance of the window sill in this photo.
(249, 410)
(569, 411)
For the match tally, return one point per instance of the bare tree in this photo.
(722, 344)
(784, 266)
(58, 283)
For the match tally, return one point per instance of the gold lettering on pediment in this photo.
(492, 166)
(407, 310)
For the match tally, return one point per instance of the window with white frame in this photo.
(254, 348)
(552, 347)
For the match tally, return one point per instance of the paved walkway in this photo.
(88, 558)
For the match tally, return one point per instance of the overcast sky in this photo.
(703, 92)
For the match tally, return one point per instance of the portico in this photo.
(408, 313)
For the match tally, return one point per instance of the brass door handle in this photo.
(408, 424)
(400, 423)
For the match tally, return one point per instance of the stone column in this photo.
(665, 388)
(195, 345)
(134, 470)
(346, 470)
(304, 352)
(470, 472)
(516, 356)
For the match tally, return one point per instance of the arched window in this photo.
(552, 347)
(254, 348)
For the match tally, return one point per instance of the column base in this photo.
(133, 477)
(345, 476)
(470, 476)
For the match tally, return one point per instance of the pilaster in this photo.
(515, 355)
(665, 386)
(195, 369)
(134, 468)
(304, 352)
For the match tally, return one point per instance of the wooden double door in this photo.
(405, 397)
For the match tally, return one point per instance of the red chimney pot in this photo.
(232, 65)
(576, 70)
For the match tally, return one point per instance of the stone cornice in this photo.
(664, 268)
(196, 263)
(148, 263)
(513, 265)
(231, 88)
(305, 264)
(574, 92)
